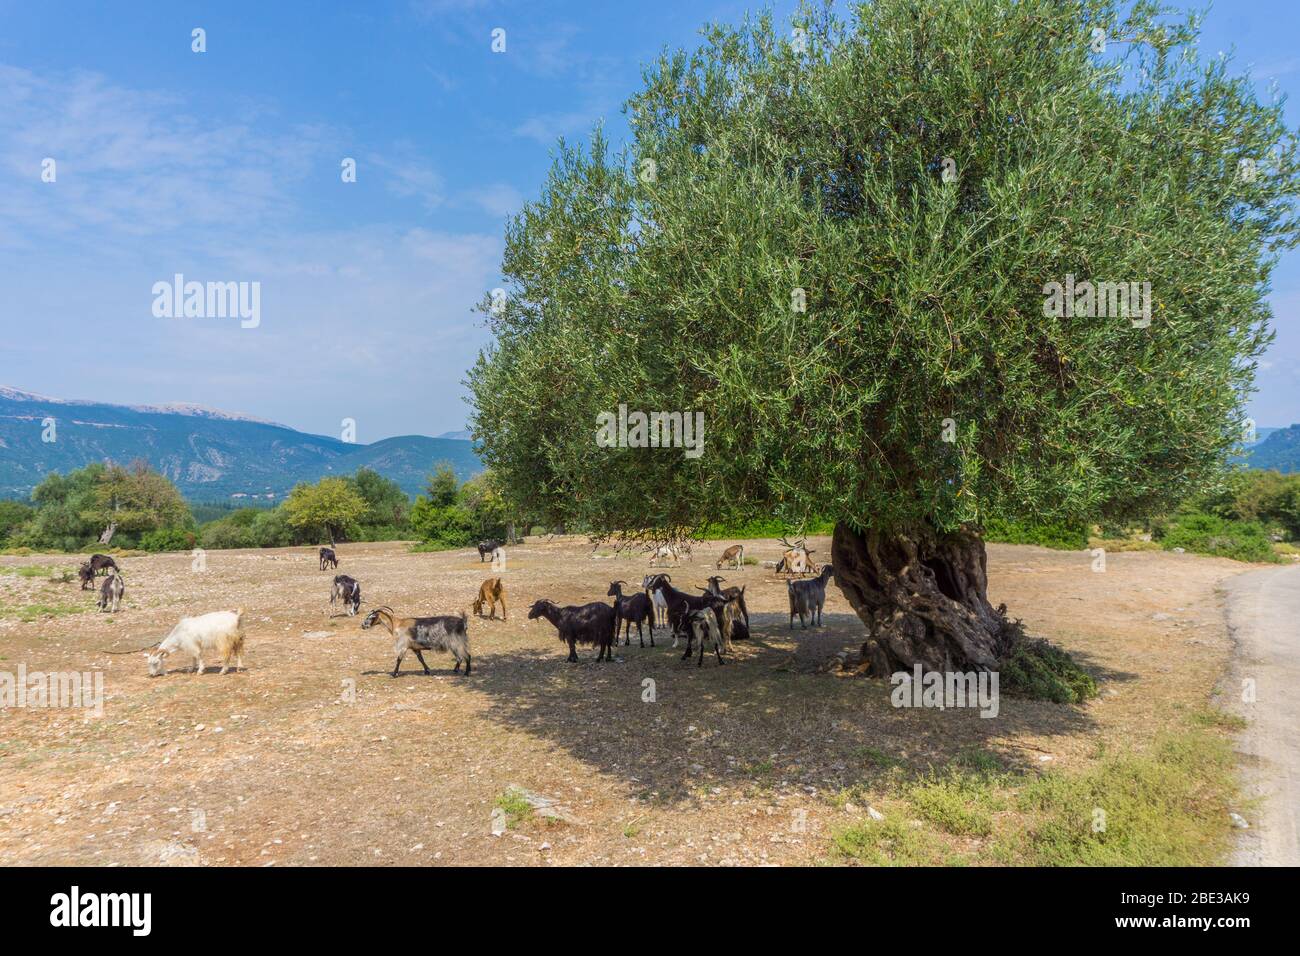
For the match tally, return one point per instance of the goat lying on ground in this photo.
(703, 627)
(446, 633)
(648, 584)
(807, 597)
(348, 590)
(632, 609)
(487, 549)
(734, 554)
(490, 592)
(220, 633)
(328, 559)
(589, 624)
(729, 594)
(110, 593)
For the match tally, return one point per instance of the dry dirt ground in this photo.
(314, 755)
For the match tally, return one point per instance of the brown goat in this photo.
(490, 592)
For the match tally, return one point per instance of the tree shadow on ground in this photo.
(770, 718)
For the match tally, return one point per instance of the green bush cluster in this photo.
(1215, 535)
(1059, 536)
(1040, 670)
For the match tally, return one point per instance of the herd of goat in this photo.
(713, 618)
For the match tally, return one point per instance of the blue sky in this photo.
(225, 166)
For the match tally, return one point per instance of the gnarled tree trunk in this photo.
(924, 598)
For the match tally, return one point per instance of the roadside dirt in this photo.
(283, 764)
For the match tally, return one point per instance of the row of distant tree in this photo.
(102, 506)
(1250, 515)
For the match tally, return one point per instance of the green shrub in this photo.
(1042, 671)
(1221, 537)
(168, 539)
(1048, 535)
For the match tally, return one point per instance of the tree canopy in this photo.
(837, 241)
(331, 507)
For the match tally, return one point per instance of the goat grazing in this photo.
(348, 590)
(110, 593)
(220, 633)
(632, 609)
(97, 563)
(648, 584)
(328, 559)
(490, 592)
(734, 554)
(807, 597)
(703, 627)
(594, 624)
(487, 549)
(446, 633)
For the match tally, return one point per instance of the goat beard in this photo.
(923, 596)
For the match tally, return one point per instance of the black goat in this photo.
(680, 604)
(328, 559)
(487, 548)
(594, 624)
(632, 609)
(808, 596)
(349, 591)
(97, 563)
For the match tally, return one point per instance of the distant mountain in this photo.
(1261, 434)
(209, 454)
(463, 435)
(1280, 450)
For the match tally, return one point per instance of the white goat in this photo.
(220, 633)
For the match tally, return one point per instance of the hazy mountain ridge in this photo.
(210, 454)
(1280, 450)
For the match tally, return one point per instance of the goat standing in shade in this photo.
(632, 609)
(594, 624)
(808, 596)
(446, 633)
(650, 585)
(702, 626)
(729, 595)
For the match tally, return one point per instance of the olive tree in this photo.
(932, 263)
